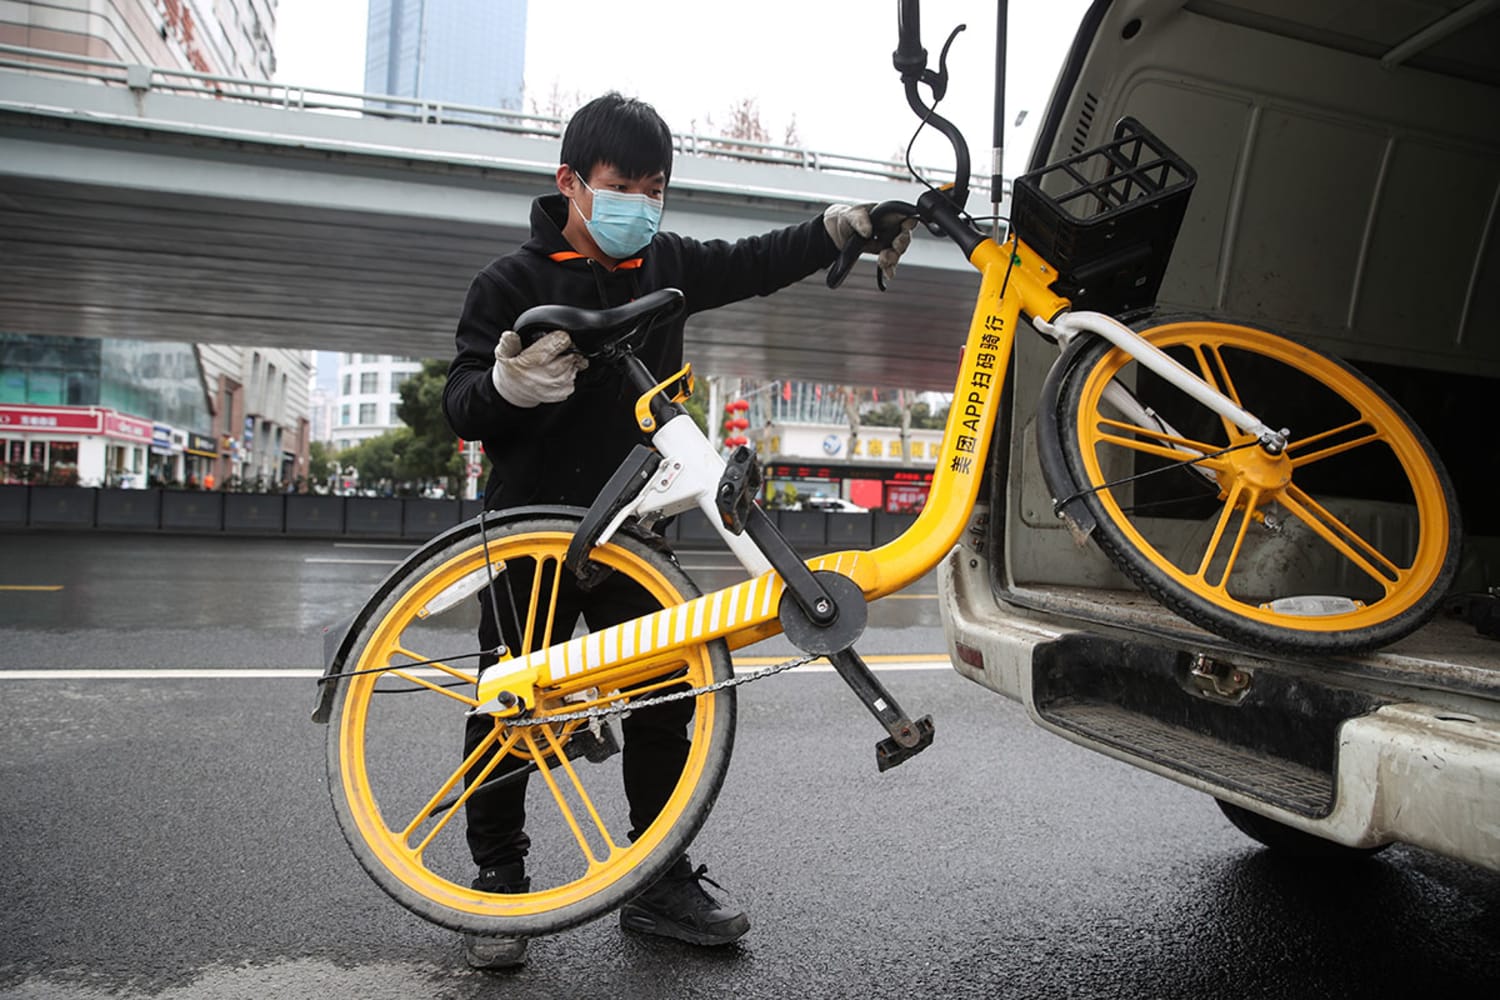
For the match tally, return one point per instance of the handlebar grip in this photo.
(839, 269)
(886, 220)
(910, 58)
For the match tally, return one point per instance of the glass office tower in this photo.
(456, 51)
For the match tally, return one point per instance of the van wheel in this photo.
(1289, 841)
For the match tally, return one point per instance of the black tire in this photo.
(1289, 841)
(389, 758)
(1249, 550)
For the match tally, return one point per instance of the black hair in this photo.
(620, 131)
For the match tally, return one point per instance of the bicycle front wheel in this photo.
(1345, 541)
(401, 781)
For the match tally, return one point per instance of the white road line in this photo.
(355, 562)
(372, 545)
(894, 665)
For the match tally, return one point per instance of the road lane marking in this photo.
(356, 562)
(372, 545)
(893, 662)
(22, 586)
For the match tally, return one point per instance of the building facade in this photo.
(91, 412)
(221, 37)
(457, 51)
(369, 391)
(259, 399)
(814, 444)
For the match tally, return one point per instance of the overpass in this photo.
(138, 202)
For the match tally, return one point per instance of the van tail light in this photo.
(970, 655)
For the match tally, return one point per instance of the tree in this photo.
(319, 461)
(744, 122)
(381, 458)
(559, 104)
(431, 453)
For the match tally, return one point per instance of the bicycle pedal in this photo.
(889, 753)
(596, 748)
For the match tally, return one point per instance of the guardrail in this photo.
(310, 515)
(296, 97)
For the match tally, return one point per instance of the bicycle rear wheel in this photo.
(399, 778)
(1344, 542)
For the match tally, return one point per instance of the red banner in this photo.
(41, 419)
(118, 425)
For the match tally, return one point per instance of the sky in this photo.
(825, 64)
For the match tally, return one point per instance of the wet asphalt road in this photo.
(171, 837)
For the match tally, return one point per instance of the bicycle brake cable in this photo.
(1057, 506)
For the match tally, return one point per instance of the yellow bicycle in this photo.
(1198, 453)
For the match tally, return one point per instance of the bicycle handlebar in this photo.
(910, 57)
(886, 218)
(941, 209)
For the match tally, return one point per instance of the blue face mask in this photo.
(622, 223)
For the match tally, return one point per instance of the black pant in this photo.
(655, 741)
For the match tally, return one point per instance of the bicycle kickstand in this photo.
(907, 738)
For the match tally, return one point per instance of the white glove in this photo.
(844, 222)
(542, 373)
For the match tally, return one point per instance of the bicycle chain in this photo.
(622, 707)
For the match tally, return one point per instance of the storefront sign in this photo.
(118, 425)
(161, 439)
(201, 445)
(66, 419)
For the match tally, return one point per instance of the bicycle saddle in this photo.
(594, 328)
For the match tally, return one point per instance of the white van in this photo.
(1348, 195)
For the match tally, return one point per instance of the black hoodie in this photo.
(565, 452)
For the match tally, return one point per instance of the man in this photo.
(556, 429)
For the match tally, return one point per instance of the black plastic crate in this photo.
(1106, 219)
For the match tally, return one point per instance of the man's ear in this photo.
(567, 181)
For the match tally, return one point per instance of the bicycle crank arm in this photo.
(907, 738)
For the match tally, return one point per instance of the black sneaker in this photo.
(498, 951)
(678, 906)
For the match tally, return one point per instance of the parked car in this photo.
(832, 505)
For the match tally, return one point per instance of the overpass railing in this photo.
(296, 97)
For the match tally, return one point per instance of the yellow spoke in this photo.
(1340, 536)
(567, 766)
(1225, 518)
(429, 685)
(1309, 458)
(1212, 379)
(557, 795)
(1181, 449)
(453, 781)
(428, 661)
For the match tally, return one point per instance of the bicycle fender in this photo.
(623, 487)
(338, 638)
(1059, 480)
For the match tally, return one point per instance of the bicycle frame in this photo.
(1014, 281)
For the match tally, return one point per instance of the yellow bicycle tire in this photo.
(393, 855)
(1393, 592)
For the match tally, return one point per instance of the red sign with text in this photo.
(68, 419)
